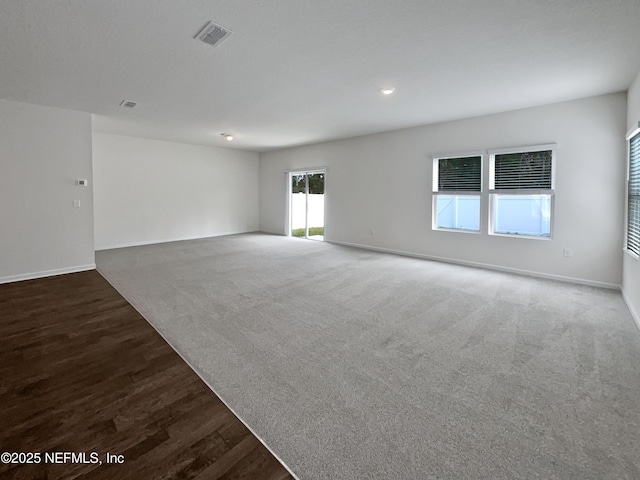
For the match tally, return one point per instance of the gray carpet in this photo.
(353, 364)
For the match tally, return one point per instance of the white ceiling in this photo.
(304, 71)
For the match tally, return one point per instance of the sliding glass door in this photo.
(306, 204)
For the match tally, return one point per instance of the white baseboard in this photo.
(47, 273)
(634, 314)
(549, 276)
(166, 240)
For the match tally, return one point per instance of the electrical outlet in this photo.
(76, 204)
(567, 252)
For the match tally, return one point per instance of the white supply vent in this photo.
(127, 104)
(213, 34)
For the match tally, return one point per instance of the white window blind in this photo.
(523, 171)
(462, 174)
(633, 209)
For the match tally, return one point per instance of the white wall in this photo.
(43, 151)
(383, 182)
(150, 191)
(631, 267)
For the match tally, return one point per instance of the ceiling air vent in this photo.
(213, 34)
(127, 104)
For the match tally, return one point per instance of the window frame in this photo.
(435, 193)
(494, 193)
(631, 134)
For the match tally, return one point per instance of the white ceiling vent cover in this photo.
(213, 34)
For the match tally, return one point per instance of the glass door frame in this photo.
(289, 209)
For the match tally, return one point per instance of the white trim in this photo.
(473, 153)
(456, 193)
(435, 175)
(492, 173)
(287, 204)
(522, 192)
(307, 170)
(47, 273)
(201, 377)
(532, 148)
(633, 132)
(168, 240)
(634, 314)
(486, 266)
(454, 230)
(515, 235)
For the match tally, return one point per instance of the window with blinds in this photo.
(521, 187)
(457, 184)
(633, 202)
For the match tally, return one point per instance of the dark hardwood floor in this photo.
(82, 371)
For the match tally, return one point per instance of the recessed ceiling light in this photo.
(227, 136)
(388, 90)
